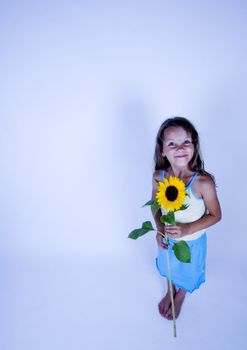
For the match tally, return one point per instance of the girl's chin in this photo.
(181, 161)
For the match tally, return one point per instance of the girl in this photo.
(177, 153)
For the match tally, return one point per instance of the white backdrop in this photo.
(84, 89)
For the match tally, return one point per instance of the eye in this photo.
(187, 142)
(171, 144)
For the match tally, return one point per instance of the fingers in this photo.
(163, 245)
(160, 242)
(173, 231)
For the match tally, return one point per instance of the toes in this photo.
(162, 311)
(161, 307)
(169, 315)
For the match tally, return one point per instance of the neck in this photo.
(181, 173)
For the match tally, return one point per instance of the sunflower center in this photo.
(171, 193)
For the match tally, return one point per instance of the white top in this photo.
(195, 211)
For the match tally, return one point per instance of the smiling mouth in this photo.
(181, 156)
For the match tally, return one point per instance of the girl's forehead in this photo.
(175, 132)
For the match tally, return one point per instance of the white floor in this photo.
(47, 305)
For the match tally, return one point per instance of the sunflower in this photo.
(171, 193)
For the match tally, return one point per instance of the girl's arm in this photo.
(206, 188)
(159, 225)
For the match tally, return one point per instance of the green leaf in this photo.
(151, 202)
(169, 218)
(182, 251)
(155, 207)
(183, 207)
(146, 227)
(162, 219)
(136, 233)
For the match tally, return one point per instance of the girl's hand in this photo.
(177, 231)
(159, 239)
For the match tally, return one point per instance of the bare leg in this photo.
(165, 303)
(178, 301)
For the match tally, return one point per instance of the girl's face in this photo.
(177, 146)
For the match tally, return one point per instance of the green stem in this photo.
(171, 293)
(162, 234)
(170, 283)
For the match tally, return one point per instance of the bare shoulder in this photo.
(204, 184)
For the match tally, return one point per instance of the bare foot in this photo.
(178, 302)
(165, 303)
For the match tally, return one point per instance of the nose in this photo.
(180, 147)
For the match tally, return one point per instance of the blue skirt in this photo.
(188, 276)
